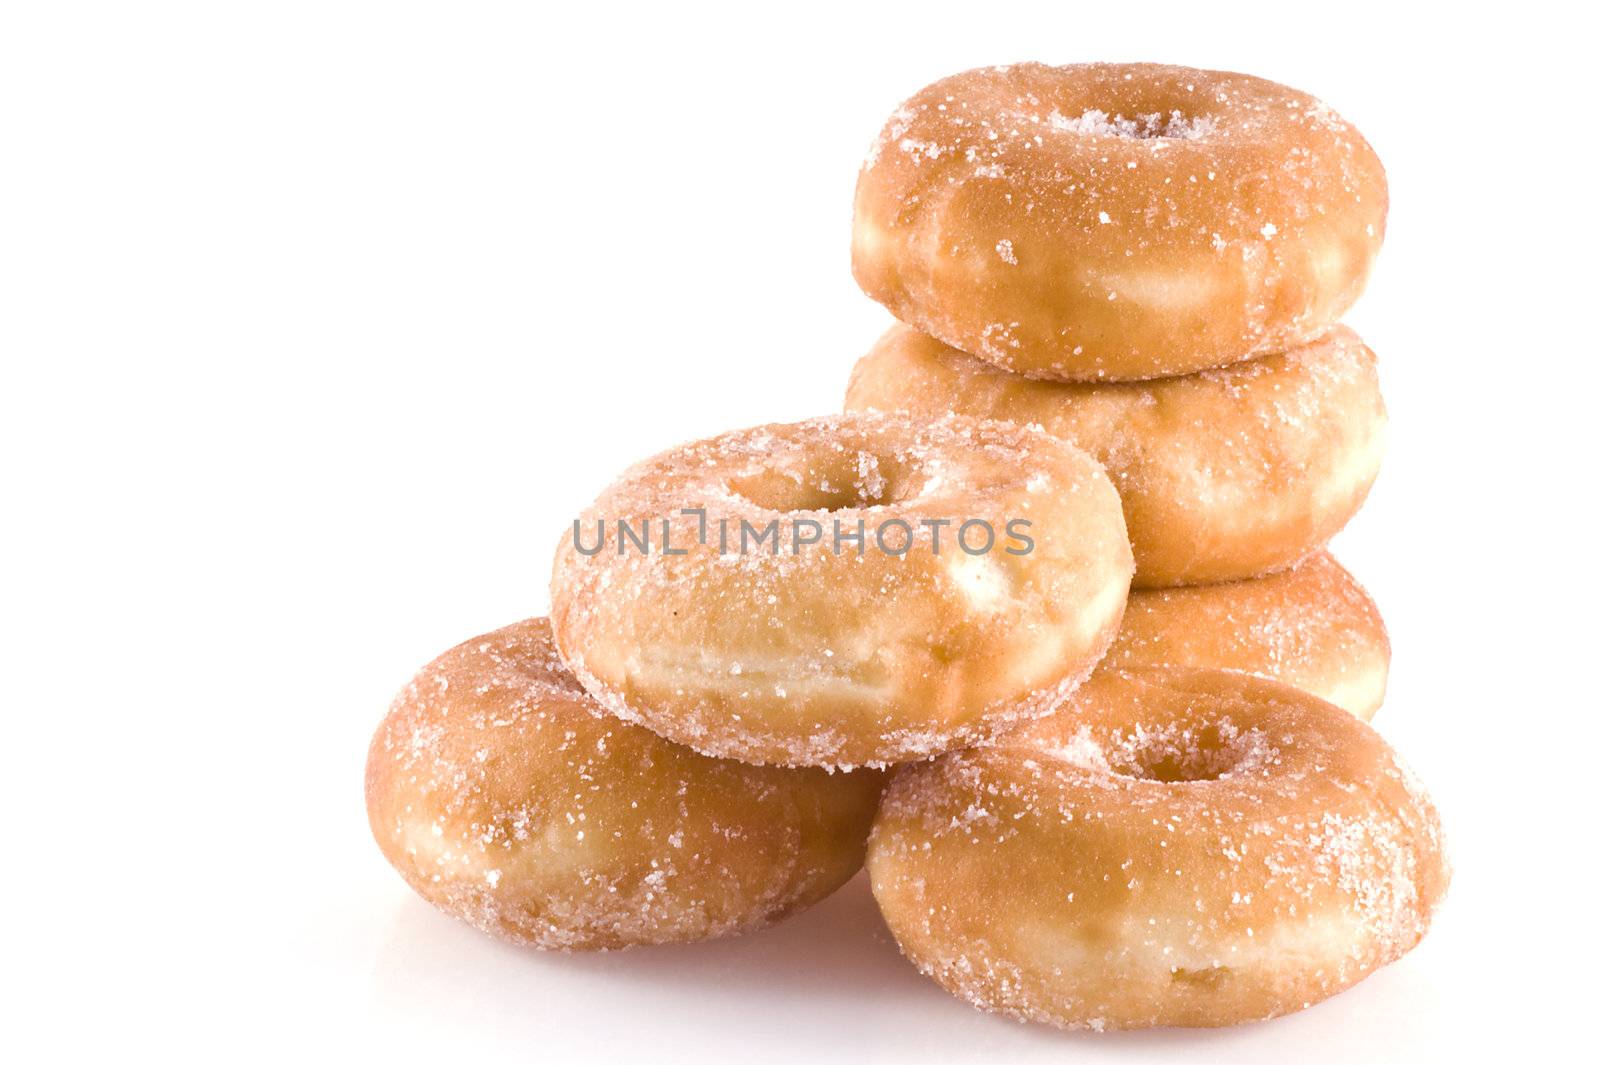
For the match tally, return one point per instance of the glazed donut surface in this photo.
(1311, 627)
(1224, 474)
(1116, 221)
(1175, 848)
(818, 656)
(506, 797)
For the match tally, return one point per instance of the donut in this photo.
(1116, 221)
(910, 586)
(1311, 627)
(1223, 474)
(506, 797)
(1176, 847)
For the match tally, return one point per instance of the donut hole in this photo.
(1151, 125)
(849, 479)
(1174, 755)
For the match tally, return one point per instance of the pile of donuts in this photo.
(1041, 629)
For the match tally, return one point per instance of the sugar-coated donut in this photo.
(1174, 848)
(1116, 221)
(988, 572)
(506, 797)
(1311, 627)
(1223, 474)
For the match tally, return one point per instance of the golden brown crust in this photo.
(505, 797)
(1311, 627)
(1116, 221)
(812, 657)
(1223, 474)
(1175, 848)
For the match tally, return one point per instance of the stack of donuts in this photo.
(1041, 629)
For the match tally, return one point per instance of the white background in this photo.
(319, 321)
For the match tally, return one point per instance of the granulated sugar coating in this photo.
(837, 653)
(1311, 627)
(1116, 221)
(1176, 847)
(1223, 474)
(1172, 125)
(505, 797)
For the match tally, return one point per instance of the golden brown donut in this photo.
(1223, 474)
(829, 652)
(1116, 221)
(1311, 627)
(1174, 848)
(507, 798)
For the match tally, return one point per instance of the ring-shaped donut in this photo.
(1116, 221)
(982, 573)
(1224, 474)
(506, 797)
(1311, 627)
(1174, 848)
